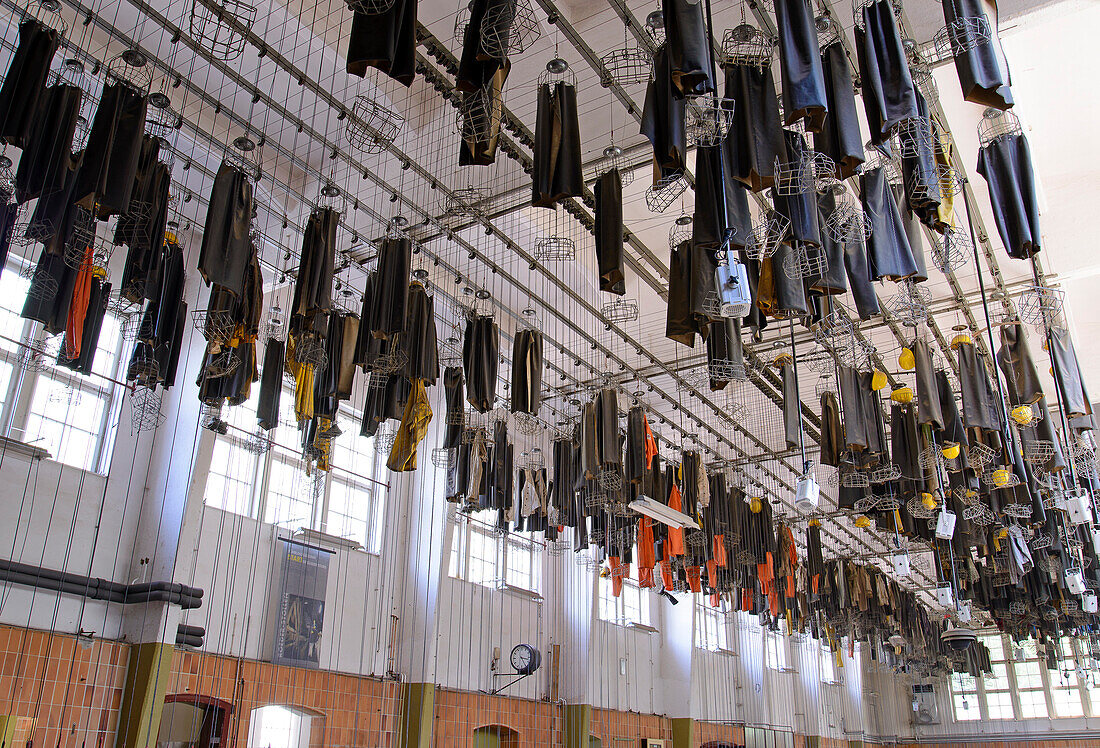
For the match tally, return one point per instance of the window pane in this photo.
(522, 565)
(966, 708)
(1033, 704)
(350, 511)
(1065, 694)
(291, 495)
(777, 650)
(482, 551)
(999, 704)
(13, 290)
(229, 484)
(66, 421)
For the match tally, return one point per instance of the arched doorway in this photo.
(285, 726)
(193, 721)
(495, 736)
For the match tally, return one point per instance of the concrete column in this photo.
(414, 729)
(683, 732)
(143, 697)
(576, 725)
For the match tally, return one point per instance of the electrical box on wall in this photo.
(925, 709)
(652, 743)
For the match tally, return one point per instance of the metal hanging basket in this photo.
(222, 31)
(509, 27)
(909, 306)
(146, 413)
(747, 45)
(479, 113)
(216, 325)
(708, 119)
(614, 157)
(131, 68)
(620, 311)
(467, 202)
(767, 234)
(659, 196)
(848, 223)
(372, 127)
(961, 36)
(805, 261)
(998, 124)
(555, 249)
(371, 7)
(951, 250)
(1042, 307)
(626, 66)
(444, 457)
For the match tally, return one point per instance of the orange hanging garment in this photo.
(647, 552)
(675, 534)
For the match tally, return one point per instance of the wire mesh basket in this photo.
(555, 249)
(372, 126)
(1041, 306)
(221, 364)
(960, 36)
(310, 351)
(216, 325)
(725, 370)
(384, 439)
(615, 157)
(848, 222)
(1038, 451)
(708, 119)
(466, 201)
(620, 311)
(828, 31)
(915, 136)
(526, 423)
(479, 114)
(222, 31)
(444, 457)
(509, 27)
(917, 509)
(146, 413)
(131, 68)
(747, 45)
(909, 306)
(665, 192)
(997, 124)
(979, 514)
(258, 442)
(1017, 511)
(951, 250)
(371, 7)
(884, 473)
(626, 66)
(805, 261)
(767, 234)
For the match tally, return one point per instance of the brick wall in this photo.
(65, 692)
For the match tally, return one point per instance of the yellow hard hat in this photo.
(906, 360)
(960, 339)
(950, 450)
(1023, 414)
(863, 521)
(755, 504)
(902, 395)
(928, 500)
(878, 380)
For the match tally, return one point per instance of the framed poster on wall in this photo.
(300, 609)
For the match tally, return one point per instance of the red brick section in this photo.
(66, 691)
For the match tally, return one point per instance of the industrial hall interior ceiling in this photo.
(384, 372)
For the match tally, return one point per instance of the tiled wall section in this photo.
(58, 685)
(66, 691)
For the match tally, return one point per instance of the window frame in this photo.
(504, 545)
(614, 610)
(262, 495)
(17, 411)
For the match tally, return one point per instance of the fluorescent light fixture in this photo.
(662, 513)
